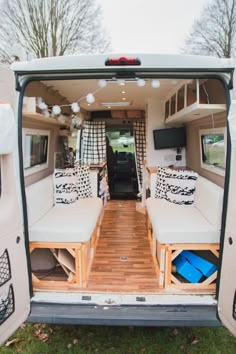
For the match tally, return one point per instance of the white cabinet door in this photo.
(227, 293)
(14, 281)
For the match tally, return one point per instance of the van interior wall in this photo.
(193, 155)
(156, 120)
(215, 92)
(38, 89)
(53, 147)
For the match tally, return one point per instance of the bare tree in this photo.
(52, 27)
(214, 33)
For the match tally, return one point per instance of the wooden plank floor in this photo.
(123, 234)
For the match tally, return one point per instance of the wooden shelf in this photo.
(195, 111)
(194, 99)
(41, 118)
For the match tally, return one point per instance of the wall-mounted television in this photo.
(169, 138)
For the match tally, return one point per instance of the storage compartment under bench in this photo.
(72, 267)
(174, 229)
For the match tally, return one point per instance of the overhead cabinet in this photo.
(194, 99)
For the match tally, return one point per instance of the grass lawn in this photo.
(39, 338)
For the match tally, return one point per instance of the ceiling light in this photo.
(115, 104)
(123, 98)
(123, 91)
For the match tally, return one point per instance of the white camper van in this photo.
(118, 191)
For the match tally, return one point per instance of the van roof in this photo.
(148, 61)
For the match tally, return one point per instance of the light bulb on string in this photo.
(141, 83)
(102, 83)
(156, 83)
(75, 107)
(90, 98)
(56, 110)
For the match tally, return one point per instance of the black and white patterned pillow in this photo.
(83, 182)
(65, 190)
(160, 190)
(180, 186)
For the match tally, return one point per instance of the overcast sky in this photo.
(149, 26)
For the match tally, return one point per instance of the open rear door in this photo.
(227, 292)
(14, 282)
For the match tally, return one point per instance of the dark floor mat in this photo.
(124, 196)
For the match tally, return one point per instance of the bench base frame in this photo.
(164, 254)
(77, 273)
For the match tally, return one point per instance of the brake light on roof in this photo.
(122, 61)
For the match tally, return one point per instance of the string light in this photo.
(141, 83)
(156, 83)
(90, 99)
(75, 107)
(102, 83)
(56, 110)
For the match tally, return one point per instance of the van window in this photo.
(35, 147)
(122, 141)
(213, 149)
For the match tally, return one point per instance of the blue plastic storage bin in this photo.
(187, 271)
(207, 268)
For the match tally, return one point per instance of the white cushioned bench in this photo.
(173, 227)
(76, 223)
(74, 228)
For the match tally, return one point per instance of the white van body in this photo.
(100, 307)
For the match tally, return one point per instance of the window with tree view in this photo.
(35, 150)
(213, 147)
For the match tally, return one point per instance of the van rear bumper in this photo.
(165, 316)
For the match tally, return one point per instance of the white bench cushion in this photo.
(174, 223)
(75, 223)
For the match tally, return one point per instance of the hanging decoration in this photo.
(75, 107)
(77, 121)
(56, 110)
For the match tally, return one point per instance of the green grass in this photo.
(120, 340)
(215, 156)
(130, 148)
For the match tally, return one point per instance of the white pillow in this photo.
(180, 186)
(65, 190)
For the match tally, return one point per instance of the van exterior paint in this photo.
(153, 313)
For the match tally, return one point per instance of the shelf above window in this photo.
(196, 111)
(194, 99)
(44, 119)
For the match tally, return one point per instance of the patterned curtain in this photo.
(140, 150)
(94, 142)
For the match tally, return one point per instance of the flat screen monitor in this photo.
(169, 138)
